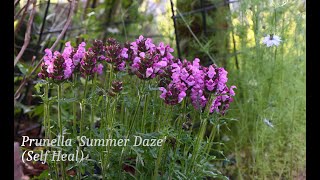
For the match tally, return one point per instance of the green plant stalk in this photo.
(45, 112)
(166, 122)
(112, 112)
(46, 123)
(185, 154)
(134, 116)
(210, 140)
(181, 118)
(103, 170)
(107, 122)
(50, 137)
(142, 95)
(272, 73)
(83, 106)
(48, 115)
(107, 97)
(275, 51)
(292, 128)
(131, 123)
(74, 106)
(163, 123)
(59, 109)
(159, 116)
(123, 24)
(198, 144)
(82, 109)
(169, 115)
(91, 119)
(94, 82)
(153, 112)
(110, 75)
(199, 138)
(179, 127)
(104, 127)
(122, 113)
(57, 170)
(146, 103)
(157, 163)
(60, 125)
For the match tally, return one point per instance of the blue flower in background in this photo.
(271, 40)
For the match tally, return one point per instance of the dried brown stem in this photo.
(72, 6)
(22, 17)
(27, 34)
(16, 16)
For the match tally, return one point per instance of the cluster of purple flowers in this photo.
(177, 79)
(60, 67)
(116, 55)
(199, 83)
(145, 59)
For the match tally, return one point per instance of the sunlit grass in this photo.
(271, 82)
(268, 140)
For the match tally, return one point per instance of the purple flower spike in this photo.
(191, 80)
(67, 50)
(210, 85)
(211, 72)
(124, 53)
(100, 69)
(161, 48)
(164, 92)
(232, 93)
(77, 57)
(149, 72)
(181, 95)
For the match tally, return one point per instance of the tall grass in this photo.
(268, 140)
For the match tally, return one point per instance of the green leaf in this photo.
(43, 175)
(26, 109)
(68, 100)
(18, 78)
(37, 111)
(23, 68)
(37, 87)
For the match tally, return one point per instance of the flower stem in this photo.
(46, 112)
(83, 106)
(74, 107)
(82, 109)
(60, 125)
(59, 109)
(46, 116)
(92, 104)
(158, 161)
(146, 102)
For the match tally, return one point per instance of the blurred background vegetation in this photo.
(267, 138)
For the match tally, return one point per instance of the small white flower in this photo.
(271, 40)
(113, 30)
(225, 138)
(268, 122)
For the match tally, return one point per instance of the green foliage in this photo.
(268, 141)
(261, 137)
(136, 111)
